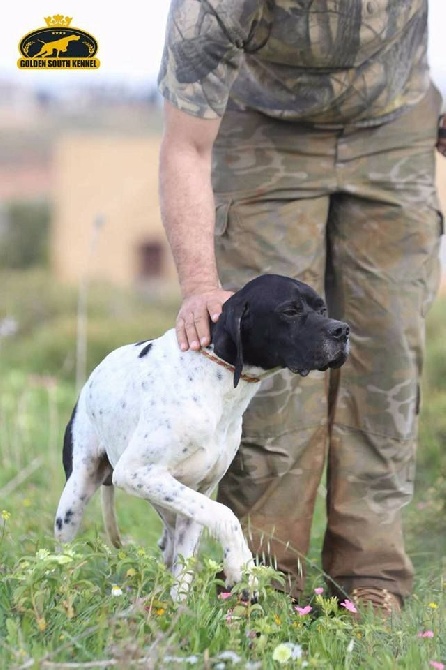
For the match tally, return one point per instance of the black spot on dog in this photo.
(190, 378)
(185, 450)
(168, 499)
(123, 404)
(219, 375)
(145, 350)
(68, 515)
(59, 523)
(67, 453)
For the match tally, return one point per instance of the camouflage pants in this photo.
(354, 213)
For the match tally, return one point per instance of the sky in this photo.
(131, 36)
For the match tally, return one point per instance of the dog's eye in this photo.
(291, 311)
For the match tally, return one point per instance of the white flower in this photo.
(286, 651)
(229, 656)
(115, 590)
(282, 653)
(350, 646)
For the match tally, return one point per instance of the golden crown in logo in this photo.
(58, 20)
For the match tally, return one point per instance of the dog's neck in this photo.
(247, 377)
(223, 350)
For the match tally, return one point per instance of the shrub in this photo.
(24, 234)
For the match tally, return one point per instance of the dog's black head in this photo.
(279, 322)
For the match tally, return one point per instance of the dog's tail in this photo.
(109, 516)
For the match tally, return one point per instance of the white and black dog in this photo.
(165, 425)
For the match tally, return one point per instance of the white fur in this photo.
(170, 424)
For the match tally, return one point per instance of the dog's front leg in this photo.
(186, 539)
(154, 483)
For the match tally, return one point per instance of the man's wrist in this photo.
(190, 288)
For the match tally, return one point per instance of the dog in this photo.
(56, 46)
(164, 425)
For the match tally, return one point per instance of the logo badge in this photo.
(58, 46)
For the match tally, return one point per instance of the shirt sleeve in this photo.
(202, 54)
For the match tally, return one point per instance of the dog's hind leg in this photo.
(85, 471)
(166, 541)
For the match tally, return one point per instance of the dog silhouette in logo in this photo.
(57, 46)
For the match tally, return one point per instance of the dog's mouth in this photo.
(333, 364)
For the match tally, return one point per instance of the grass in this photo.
(101, 608)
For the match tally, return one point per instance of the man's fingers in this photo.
(181, 334)
(193, 326)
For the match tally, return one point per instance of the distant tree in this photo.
(24, 234)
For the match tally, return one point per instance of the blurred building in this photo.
(106, 214)
(113, 180)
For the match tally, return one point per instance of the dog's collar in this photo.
(224, 364)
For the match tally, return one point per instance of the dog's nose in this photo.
(340, 331)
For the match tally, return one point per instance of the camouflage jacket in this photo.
(318, 61)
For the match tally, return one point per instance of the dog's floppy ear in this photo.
(233, 314)
(238, 312)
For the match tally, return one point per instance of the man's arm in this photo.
(188, 214)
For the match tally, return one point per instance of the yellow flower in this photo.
(286, 651)
(282, 653)
(277, 619)
(160, 611)
(41, 624)
(433, 606)
(131, 572)
(5, 515)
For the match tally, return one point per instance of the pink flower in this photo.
(349, 606)
(224, 595)
(437, 665)
(302, 611)
(319, 591)
(426, 633)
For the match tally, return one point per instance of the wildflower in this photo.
(426, 633)
(41, 624)
(229, 656)
(277, 619)
(5, 515)
(282, 653)
(319, 591)
(115, 590)
(433, 606)
(131, 572)
(437, 665)
(349, 606)
(286, 651)
(160, 611)
(224, 595)
(303, 611)
(42, 554)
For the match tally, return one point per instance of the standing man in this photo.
(299, 139)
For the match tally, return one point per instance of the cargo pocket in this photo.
(221, 217)
(433, 266)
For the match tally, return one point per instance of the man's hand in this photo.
(441, 144)
(192, 326)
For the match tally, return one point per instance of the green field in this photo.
(97, 607)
